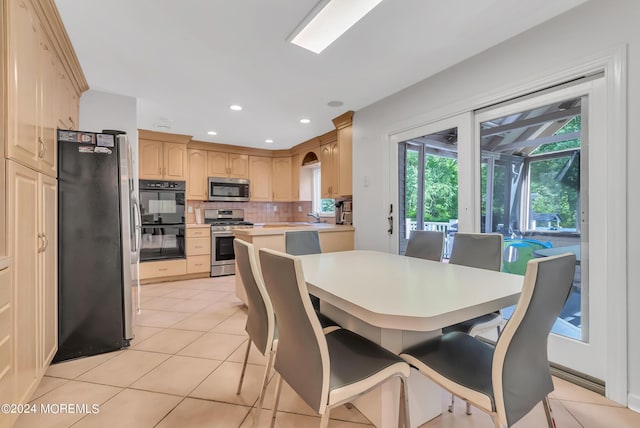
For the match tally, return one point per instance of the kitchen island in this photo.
(271, 235)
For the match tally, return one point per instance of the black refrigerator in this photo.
(99, 236)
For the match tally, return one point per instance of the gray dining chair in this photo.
(301, 243)
(325, 370)
(484, 251)
(261, 324)
(425, 244)
(508, 380)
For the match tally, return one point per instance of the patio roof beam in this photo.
(525, 123)
(436, 144)
(513, 147)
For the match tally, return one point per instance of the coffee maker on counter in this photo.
(344, 212)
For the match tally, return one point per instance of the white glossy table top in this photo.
(393, 291)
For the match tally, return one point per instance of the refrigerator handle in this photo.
(137, 226)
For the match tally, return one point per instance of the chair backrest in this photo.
(302, 358)
(302, 242)
(479, 250)
(425, 244)
(260, 316)
(520, 370)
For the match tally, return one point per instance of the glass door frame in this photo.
(466, 196)
(585, 357)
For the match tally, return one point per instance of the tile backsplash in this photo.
(260, 212)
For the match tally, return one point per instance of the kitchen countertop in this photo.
(260, 229)
(5, 262)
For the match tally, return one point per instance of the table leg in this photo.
(380, 405)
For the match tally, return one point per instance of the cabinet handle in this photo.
(43, 148)
(159, 171)
(73, 124)
(162, 269)
(46, 242)
(40, 248)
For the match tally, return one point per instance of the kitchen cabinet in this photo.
(32, 225)
(41, 86)
(197, 175)
(162, 269)
(198, 250)
(336, 159)
(282, 175)
(296, 163)
(7, 337)
(40, 103)
(160, 160)
(231, 165)
(260, 178)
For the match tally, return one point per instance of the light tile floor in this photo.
(183, 367)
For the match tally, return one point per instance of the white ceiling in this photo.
(187, 61)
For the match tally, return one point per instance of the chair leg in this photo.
(468, 408)
(277, 400)
(244, 367)
(452, 403)
(496, 422)
(263, 389)
(324, 420)
(547, 411)
(404, 405)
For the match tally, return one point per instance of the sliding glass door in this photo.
(535, 180)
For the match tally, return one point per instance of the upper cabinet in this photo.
(281, 182)
(260, 176)
(162, 160)
(336, 160)
(232, 165)
(39, 59)
(197, 178)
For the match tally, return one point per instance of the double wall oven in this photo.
(162, 209)
(223, 258)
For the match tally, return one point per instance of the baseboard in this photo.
(633, 401)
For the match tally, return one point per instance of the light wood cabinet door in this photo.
(197, 180)
(238, 165)
(217, 164)
(175, 161)
(326, 170)
(48, 268)
(24, 65)
(47, 129)
(6, 338)
(150, 160)
(281, 179)
(345, 162)
(295, 177)
(259, 178)
(24, 244)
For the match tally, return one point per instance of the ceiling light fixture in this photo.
(235, 107)
(327, 21)
(305, 121)
(212, 133)
(268, 141)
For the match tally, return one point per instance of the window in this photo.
(324, 207)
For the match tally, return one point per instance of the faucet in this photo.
(316, 216)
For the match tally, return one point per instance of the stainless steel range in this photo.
(223, 259)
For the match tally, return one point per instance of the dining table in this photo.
(398, 301)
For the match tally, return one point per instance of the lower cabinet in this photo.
(163, 268)
(198, 249)
(32, 243)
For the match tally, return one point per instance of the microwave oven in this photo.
(228, 189)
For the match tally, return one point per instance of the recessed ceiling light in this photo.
(305, 121)
(268, 141)
(212, 133)
(235, 107)
(335, 103)
(327, 21)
